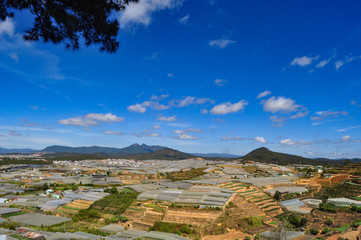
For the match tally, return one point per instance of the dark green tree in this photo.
(67, 21)
(45, 187)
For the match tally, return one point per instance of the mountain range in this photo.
(143, 152)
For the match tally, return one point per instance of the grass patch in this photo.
(71, 208)
(12, 214)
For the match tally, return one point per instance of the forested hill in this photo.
(264, 155)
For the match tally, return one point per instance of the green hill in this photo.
(164, 154)
(264, 155)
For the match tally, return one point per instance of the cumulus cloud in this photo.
(78, 121)
(183, 134)
(281, 105)
(100, 117)
(186, 137)
(228, 107)
(303, 61)
(219, 82)
(329, 114)
(137, 108)
(221, 43)
(156, 127)
(157, 103)
(349, 139)
(140, 13)
(260, 139)
(7, 27)
(184, 19)
(108, 132)
(167, 119)
(290, 142)
(345, 138)
(90, 119)
(263, 94)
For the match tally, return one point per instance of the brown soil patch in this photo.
(228, 236)
(318, 218)
(195, 216)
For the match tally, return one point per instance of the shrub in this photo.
(329, 221)
(326, 230)
(314, 231)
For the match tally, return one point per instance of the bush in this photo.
(255, 221)
(326, 230)
(329, 221)
(314, 231)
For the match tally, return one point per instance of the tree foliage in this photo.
(66, 21)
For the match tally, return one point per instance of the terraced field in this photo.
(253, 201)
(191, 216)
(74, 207)
(143, 214)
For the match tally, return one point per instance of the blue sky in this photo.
(198, 76)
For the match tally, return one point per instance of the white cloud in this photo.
(140, 13)
(14, 133)
(228, 107)
(187, 130)
(153, 135)
(349, 58)
(339, 64)
(235, 138)
(303, 113)
(204, 111)
(345, 138)
(156, 127)
(303, 61)
(289, 142)
(183, 134)
(280, 104)
(113, 133)
(323, 63)
(184, 19)
(100, 117)
(7, 27)
(78, 121)
(219, 82)
(260, 139)
(329, 114)
(278, 119)
(186, 137)
(221, 43)
(193, 100)
(263, 94)
(345, 129)
(137, 108)
(170, 74)
(167, 119)
(155, 103)
(90, 119)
